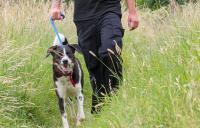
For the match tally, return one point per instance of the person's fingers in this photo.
(133, 23)
(130, 23)
(131, 26)
(56, 15)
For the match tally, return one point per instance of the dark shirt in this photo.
(90, 9)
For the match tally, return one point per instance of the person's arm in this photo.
(133, 20)
(55, 11)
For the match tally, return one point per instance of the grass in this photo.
(161, 86)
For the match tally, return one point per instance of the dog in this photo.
(68, 78)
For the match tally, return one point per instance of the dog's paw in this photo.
(81, 116)
(80, 119)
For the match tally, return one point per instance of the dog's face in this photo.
(63, 57)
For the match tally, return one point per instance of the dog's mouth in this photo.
(67, 68)
(64, 68)
(65, 65)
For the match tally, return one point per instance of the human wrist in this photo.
(56, 4)
(132, 11)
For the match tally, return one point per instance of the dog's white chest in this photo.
(65, 87)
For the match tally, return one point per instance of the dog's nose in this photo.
(65, 61)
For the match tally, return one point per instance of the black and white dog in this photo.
(68, 79)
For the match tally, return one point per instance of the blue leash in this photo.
(56, 30)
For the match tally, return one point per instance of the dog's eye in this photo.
(67, 53)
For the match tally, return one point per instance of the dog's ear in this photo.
(75, 47)
(51, 50)
(65, 42)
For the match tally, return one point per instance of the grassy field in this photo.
(161, 86)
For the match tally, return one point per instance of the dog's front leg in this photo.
(80, 99)
(73, 113)
(61, 102)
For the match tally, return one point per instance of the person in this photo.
(100, 33)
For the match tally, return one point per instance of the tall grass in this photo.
(161, 86)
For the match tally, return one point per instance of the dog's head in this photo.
(63, 57)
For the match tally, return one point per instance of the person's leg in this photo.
(88, 39)
(111, 33)
(98, 37)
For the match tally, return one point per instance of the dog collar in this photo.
(67, 74)
(72, 80)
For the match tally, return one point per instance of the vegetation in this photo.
(152, 4)
(156, 4)
(161, 85)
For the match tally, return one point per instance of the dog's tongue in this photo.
(65, 65)
(64, 68)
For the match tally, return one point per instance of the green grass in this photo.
(161, 86)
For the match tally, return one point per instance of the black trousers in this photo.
(103, 38)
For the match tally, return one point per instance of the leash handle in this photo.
(56, 30)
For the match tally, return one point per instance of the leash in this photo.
(61, 43)
(56, 30)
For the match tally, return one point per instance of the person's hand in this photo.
(55, 13)
(133, 20)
